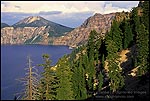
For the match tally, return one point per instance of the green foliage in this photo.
(64, 76)
(93, 45)
(140, 29)
(93, 53)
(76, 73)
(145, 17)
(79, 84)
(48, 82)
(143, 49)
(100, 78)
(115, 76)
(135, 22)
(115, 34)
(127, 33)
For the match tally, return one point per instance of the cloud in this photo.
(70, 19)
(123, 4)
(67, 19)
(37, 6)
(118, 6)
(69, 13)
(49, 13)
(18, 7)
(109, 9)
(63, 6)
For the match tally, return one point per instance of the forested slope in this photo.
(105, 66)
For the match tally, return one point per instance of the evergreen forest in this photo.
(101, 68)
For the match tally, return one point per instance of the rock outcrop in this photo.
(100, 23)
(11, 35)
(37, 30)
(32, 30)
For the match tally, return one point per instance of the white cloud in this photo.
(109, 9)
(64, 11)
(66, 7)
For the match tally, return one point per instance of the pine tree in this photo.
(143, 49)
(100, 78)
(48, 80)
(135, 22)
(145, 17)
(93, 47)
(115, 76)
(90, 45)
(127, 33)
(64, 75)
(115, 34)
(79, 83)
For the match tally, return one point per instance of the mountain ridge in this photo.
(99, 22)
(35, 21)
(4, 25)
(32, 27)
(56, 34)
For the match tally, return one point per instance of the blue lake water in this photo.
(14, 60)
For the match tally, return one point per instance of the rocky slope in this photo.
(101, 23)
(32, 30)
(11, 35)
(37, 30)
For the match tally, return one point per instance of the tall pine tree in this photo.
(48, 80)
(64, 76)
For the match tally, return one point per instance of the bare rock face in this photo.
(100, 23)
(11, 35)
(37, 30)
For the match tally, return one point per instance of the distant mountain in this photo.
(33, 30)
(32, 21)
(4, 25)
(37, 21)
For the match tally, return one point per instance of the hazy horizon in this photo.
(67, 13)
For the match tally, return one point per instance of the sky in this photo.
(68, 13)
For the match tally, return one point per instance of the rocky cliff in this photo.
(37, 30)
(11, 35)
(32, 30)
(101, 23)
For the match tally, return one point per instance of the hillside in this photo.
(32, 30)
(4, 25)
(101, 23)
(113, 67)
(110, 66)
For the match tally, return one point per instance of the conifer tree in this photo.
(48, 80)
(100, 78)
(143, 49)
(93, 56)
(145, 17)
(79, 83)
(127, 33)
(115, 34)
(64, 76)
(135, 22)
(115, 76)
